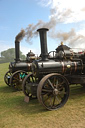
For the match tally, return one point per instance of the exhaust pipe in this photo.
(43, 42)
(17, 50)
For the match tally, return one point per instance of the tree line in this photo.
(9, 55)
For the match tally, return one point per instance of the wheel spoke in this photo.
(27, 85)
(20, 74)
(7, 78)
(17, 79)
(62, 83)
(45, 93)
(46, 90)
(54, 100)
(60, 96)
(57, 99)
(51, 101)
(62, 92)
(32, 79)
(14, 78)
(51, 84)
(54, 81)
(57, 85)
(48, 96)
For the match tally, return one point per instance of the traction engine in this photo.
(51, 76)
(19, 68)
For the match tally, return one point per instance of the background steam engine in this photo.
(19, 68)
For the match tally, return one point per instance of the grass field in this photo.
(15, 113)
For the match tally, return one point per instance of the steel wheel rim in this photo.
(30, 79)
(53, 97)
(6, 79)
(17, 79)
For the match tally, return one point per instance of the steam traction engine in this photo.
(51, 77)
(18, 69)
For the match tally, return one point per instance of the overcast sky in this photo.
(64, 18)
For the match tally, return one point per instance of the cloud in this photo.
(66, 11)
(45, 3)
(61, 12)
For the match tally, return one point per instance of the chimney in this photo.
(43, 42)
(17, 50)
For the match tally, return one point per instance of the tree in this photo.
(9, 55)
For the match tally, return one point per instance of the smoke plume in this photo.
(20, 35)
(31, 30)
(63, 35)
(71, 38)
(58, 15)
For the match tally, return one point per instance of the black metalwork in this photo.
(7, 77)
(53, 91)
(17, 50)
(18, 64)
(30, 85)
(17, 79)
(43, 40)
(51, 76)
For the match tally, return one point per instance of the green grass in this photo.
(15, 113)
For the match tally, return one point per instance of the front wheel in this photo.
(53, 91)
(7, 77)
(29, 86)
(17, 79)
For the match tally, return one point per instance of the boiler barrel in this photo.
(51, 66)
(20, 66)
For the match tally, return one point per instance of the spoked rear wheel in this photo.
(17, 79)
(53, 91)
(7, 78)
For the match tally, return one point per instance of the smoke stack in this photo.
(17, 50)
(43, 42)
(18, 38)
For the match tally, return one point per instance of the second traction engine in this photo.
(19, 68)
